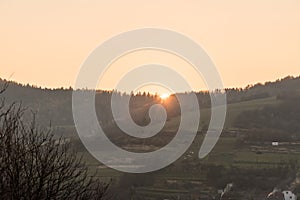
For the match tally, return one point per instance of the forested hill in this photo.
(55, 104)
(28, 93)
(283, 86)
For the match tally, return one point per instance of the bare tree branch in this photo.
(34, 165)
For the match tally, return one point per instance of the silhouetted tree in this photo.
(33, 165)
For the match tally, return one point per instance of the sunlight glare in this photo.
(164, 96)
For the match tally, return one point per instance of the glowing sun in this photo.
(164, 96)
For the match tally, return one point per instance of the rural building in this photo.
(275, 143)
(285, 195)
(288, 195)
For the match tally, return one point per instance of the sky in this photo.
(44, 43)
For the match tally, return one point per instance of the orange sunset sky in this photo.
(45, 42)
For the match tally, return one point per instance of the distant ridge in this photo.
(283, 82)
(55, 105)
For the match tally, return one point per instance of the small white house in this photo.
(278, 195)
(275, 143)
(288, 195)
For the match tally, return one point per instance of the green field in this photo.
(186, 169)
(233, 110)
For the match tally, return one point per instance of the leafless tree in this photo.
(34, 165)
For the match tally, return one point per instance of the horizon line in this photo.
(152, 93)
